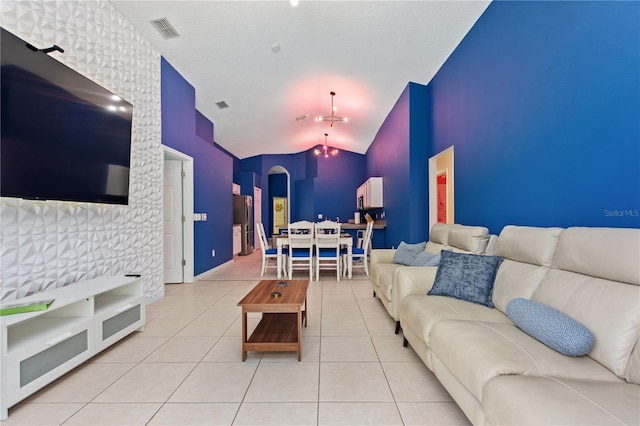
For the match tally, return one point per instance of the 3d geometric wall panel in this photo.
(48, 244)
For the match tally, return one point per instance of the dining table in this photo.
(345, 239)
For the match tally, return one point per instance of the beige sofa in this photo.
(500, 375)
(456, 237)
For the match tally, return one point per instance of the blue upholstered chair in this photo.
(269, 253)
(301, 246)
(360, 255)
(327, 241)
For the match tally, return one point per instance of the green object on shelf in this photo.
(22, 307)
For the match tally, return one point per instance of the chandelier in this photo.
(325, 151)
(333, 118)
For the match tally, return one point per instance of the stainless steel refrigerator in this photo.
(243, 216)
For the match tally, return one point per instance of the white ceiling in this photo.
(365, 51)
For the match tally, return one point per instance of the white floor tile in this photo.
(352, 348)
(27, 413)
(216, 382)
(83, 384)
(277, 382)
(358, 413)
(147, 382)
(353, 382)
(195, 414)
(277, 414)
(186, 368)
(124, 414)
(432, 414)
(413, 382)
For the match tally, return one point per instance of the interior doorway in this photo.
(441, 187)
(283, 195)
(177, 214)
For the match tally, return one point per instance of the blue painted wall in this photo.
(318, 185)
(336, 183)
(399, 153)
(183, 129)
(542, 103)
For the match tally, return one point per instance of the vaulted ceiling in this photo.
(274, 64)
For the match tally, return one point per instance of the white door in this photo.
(172, 208)
(257, 215)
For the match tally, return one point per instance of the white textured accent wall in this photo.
(48, 244)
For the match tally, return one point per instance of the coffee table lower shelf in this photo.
(276, 332)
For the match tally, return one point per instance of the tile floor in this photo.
(185, 368)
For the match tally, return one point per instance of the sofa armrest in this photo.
(382, 256)
(412, 280)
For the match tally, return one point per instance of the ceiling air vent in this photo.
(165, 28)
(222, 105)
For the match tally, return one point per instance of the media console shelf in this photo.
(85, 318)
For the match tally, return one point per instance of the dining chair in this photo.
(360, 255)
(300, 246)
(269, 252)
(327, 246)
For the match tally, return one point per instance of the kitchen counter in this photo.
(378, 224)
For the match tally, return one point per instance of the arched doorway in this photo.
(279, 204)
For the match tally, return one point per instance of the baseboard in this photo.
(204, 274)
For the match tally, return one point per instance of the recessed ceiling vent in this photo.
(165, 28)
(222, 105)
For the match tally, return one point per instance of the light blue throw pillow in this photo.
(550, 326)
(467, 277)
(426, 259)
(406, 253)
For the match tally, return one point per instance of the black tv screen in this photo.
(64, 137)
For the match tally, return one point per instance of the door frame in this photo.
(434, 171)
(187, 208)
(279, 170)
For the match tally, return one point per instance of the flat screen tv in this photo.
(64, 137)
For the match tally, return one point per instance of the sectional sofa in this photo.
(455, 237)
(501, 375)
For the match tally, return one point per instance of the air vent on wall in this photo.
(165, 28)
(222, 105)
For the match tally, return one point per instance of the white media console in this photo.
(85, 318)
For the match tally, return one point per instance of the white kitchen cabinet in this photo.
(85, 318)
(371, 194)
(237, 239)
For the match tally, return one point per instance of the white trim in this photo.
(278, 170)
(187, 202)
(433, 195)
(203, 275)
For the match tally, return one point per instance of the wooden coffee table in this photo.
(282, 316)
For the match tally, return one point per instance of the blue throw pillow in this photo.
(426, 259)
(550, 326)
(406, 253)
(467, 277)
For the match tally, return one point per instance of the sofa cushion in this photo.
(426, 259)
(406, 253)
(550, 326)
(439, 233)
(467, 277)
(472, 239)
(610, 310)
(476, 352)
(420, 313)
(597, 286)
(609, 253)
(528, 244)
(528, 254)
(385, 278)
(531, 400)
